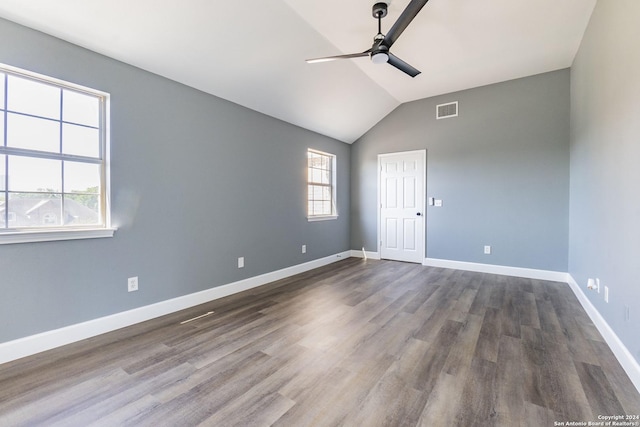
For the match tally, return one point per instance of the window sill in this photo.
(11, 237)
(321, 218)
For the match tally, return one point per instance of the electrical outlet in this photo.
(606, 294)
(304, 249)
(132, 284)
(487, 250)
(241, 262)
(438, 203)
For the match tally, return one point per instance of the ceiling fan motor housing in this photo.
(380, 54)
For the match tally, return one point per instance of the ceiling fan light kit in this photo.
(379, 58)
(379, 52)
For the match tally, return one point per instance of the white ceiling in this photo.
(252, 52)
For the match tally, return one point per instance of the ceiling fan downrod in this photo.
(379, 11)
(379, 52)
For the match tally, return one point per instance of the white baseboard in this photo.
(529, 273)
(33, 344)
(365, 254)
(622, 353)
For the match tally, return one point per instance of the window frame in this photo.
(332, 184)
(11, 234)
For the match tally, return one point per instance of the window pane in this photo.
(325, 162)
(80, 108)
(80, 141)
(33, 133)
(3, 207)
(3, 174)
(32, 174)
(35, 210)
(326, 177)
(316, 175)
(81, 209)
(317, 193)
(314, 161)
(31, 97)
(318, 208)
(326, 193)
(81, 178)
(2, 76)
(1, 129)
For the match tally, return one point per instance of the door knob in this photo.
(419, 214)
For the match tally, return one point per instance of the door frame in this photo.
(423, 152)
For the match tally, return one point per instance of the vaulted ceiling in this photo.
(253, 52)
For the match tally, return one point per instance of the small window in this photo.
(321, 185)
(53, 156)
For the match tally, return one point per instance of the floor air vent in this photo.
(444, 111)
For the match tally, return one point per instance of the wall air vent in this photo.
(444, 111)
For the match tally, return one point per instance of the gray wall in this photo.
(196, 182)
(605, 172)
(501, 168)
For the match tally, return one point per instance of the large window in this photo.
(321, 184)
(53, 156)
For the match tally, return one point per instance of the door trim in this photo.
(423, 152)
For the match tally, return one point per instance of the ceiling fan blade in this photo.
(403, 21)
(333, 58)
(402, 66)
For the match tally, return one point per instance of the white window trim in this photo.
(321, 218)
(12, 236)
(334, 189)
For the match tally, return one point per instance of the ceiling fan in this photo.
(379, 52)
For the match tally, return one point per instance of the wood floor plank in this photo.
(443, 402)
(427, 371)
(536, 416)
(489, 339)
(477, 401)
(599, 392)
(618, 379)
(358, 342)
(462, 350)
(509, 394)
(529, 310)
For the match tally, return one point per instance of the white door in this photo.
(402, 177)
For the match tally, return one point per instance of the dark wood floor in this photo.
(357, 343)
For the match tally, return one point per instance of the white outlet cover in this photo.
(304, 249)
(606, 294)
(438, 202)
(132, 284)
(241, 262)
(487, 250)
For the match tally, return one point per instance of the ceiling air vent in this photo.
(444, 111)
